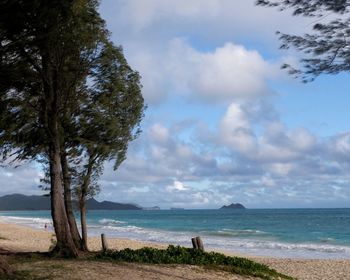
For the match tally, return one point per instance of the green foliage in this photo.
(62, 81)
(65, 91)
(181, 255)
(309, 7)
(326, 48)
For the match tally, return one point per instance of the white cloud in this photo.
(177, 186)
(159, 133)
(235, 130)
(227, 73)
(274, 142)
(266, 180)
(342, 144)
(218, 16)
(23, 179)
(147, 12)
(282, 169)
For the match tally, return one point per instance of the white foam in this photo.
(110, 222)
(248, 246)
(21, 220)
(239, 232)
(253, 246)
(38, 223)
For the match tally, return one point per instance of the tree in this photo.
(48, 58)
(109, 119)
(327, 49)
(33, 51)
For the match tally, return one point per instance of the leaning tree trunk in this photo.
(68, 203)
(65, 246)
(82, 202)
(52, 103)
(83, 224)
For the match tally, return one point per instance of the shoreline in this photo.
(20, 238)
(265, 248)
(121, 242)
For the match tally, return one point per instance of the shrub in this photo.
(181, 255)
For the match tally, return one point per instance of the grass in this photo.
(39, 266)
(181, 255)
(23, 275)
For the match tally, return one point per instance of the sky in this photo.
(224, 122)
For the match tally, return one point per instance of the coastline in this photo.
(19, 238)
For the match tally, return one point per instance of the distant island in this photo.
(16, 202)
(177, 208)
(154, 208)
(233, 206)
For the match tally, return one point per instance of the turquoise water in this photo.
(300, 233)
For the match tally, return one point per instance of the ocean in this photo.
(289, 233)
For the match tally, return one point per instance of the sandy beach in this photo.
(24, 239)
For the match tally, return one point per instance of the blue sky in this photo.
(224, 123)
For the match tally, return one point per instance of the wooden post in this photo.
(200, 243)
(194, 243)
(104, 242)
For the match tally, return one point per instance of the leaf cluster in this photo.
(182, 255)
(327, 48)
(46, 51)
(309, 7)
(57, 61)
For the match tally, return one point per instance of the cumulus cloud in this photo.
(177, 186)
(196, 51)
(143, 14)
(159, 133)
(287, 165)
(221, 16)
(228, 72)
(235, 130)
(273, 144)
(22, 179)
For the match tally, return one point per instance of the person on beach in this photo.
(45, 226)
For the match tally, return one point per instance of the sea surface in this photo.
(290, 233)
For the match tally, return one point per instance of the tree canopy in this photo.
(67, 94)
(327, 48)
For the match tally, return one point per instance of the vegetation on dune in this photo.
(39, 266)
(182, 255)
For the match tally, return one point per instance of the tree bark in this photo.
(51, 102)
(83, 225)
(84, 193)
(65, 246)
(68, 203)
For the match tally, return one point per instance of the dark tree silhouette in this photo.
(53, 70)
(327, 48)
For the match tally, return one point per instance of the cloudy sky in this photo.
(224, 123)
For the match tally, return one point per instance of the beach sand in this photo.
(24, 239)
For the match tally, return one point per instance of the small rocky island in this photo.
(233, 206)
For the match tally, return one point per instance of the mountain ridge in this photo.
(18, 202)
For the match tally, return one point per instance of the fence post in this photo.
(200, 243)
(194, 243)
(104, 242)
